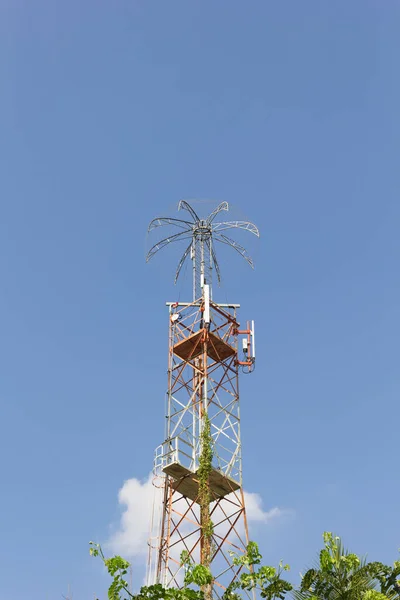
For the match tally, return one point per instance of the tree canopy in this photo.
(337, 575)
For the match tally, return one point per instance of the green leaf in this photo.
(325, 560)
(185, 558)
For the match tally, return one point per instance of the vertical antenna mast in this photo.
(202, 514)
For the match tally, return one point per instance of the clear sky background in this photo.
(110, 113)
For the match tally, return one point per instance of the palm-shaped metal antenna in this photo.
(202, 233)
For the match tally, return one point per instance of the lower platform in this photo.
(187, 483)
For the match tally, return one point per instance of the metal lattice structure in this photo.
(203, 381)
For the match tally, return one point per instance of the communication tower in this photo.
(207, 349)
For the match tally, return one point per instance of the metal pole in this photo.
(194, 267)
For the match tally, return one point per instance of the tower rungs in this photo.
(193, 346)
(186, 482)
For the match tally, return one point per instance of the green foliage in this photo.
(374, 595)
(199, 575)
(206, 456)
(266, 580)
(185, 558)
(339, 575)
(342, 575)
(387, 578)
(158, 592)
(203, 473)
(204, 470)
(117, 568)
(250, 558)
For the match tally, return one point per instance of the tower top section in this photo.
(202, 233)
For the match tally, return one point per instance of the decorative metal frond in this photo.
(215, 261)
(182, 261)
(185, 206)
(246, 225)
(160, 221)
(221, 207)
(202, 234)
(182, 235)
(224, 239)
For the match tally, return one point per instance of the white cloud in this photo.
(137, 499)
(131, 536)
(255, 512)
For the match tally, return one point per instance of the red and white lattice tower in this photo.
(203, 380)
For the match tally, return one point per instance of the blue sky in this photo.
(110, 113)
